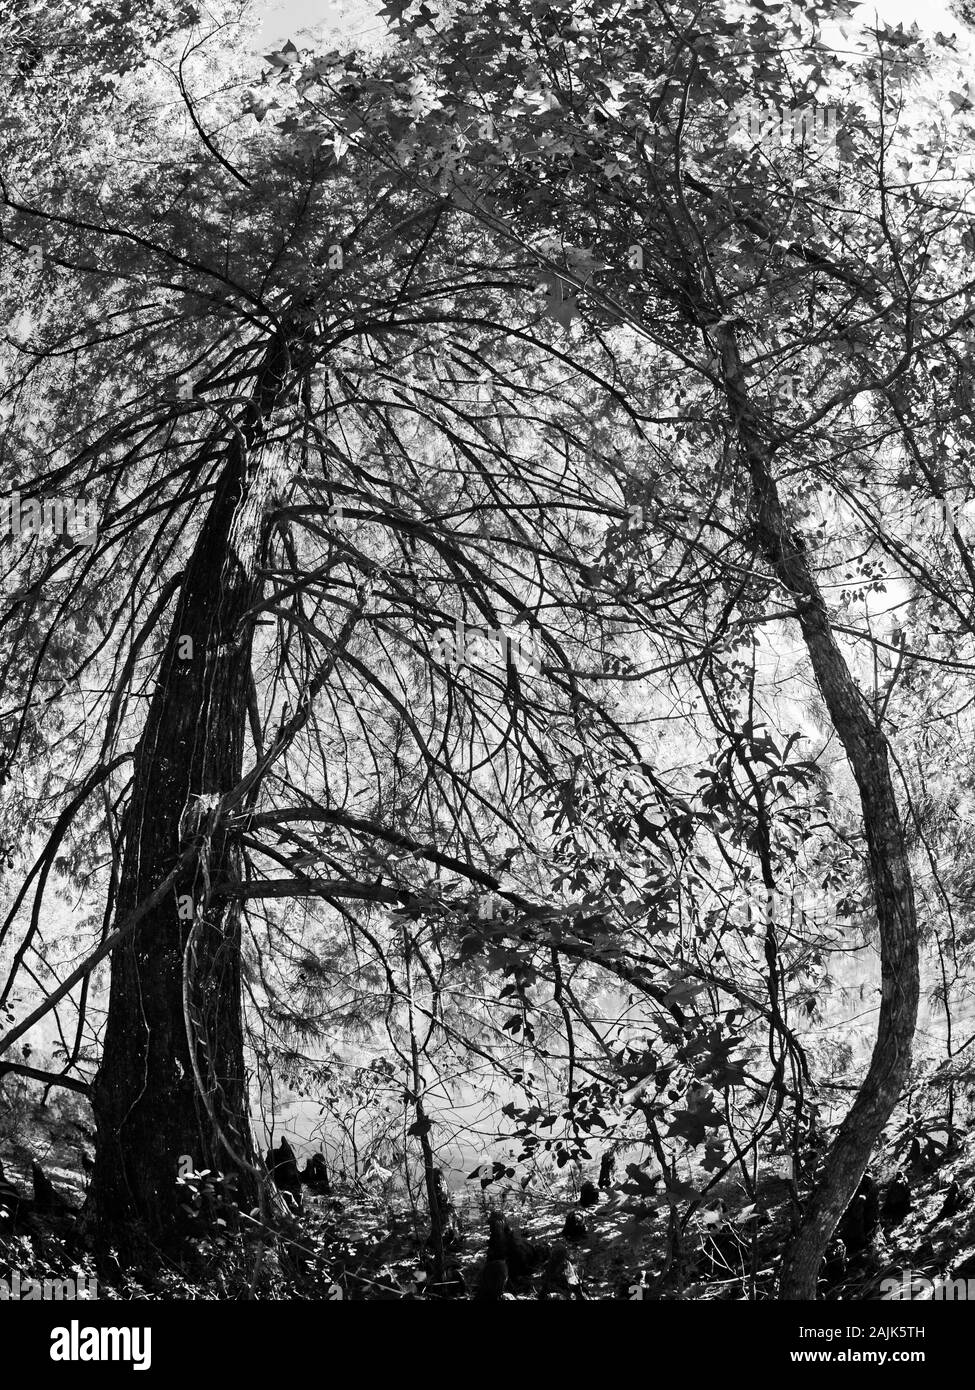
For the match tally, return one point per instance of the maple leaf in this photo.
(394, 10)
(561, 302)
(282, 57)
(689, 1127)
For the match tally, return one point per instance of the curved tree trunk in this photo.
(157, 1101)
(866, 749)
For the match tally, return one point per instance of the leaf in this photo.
(560, 302)
(257, 105)
(283, 57)
(688, 1126)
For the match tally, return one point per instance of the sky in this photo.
(287, 19)
(931, 14)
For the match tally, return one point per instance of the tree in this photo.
(575, 144)
(245, 330)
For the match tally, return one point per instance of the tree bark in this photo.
(150, 1107)
(866, 748)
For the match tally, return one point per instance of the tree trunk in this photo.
(866, 749)
(423, 1127)
(156, 1099)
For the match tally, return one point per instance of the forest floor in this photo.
(359, 1244)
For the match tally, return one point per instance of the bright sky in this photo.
(289, 18)
(932, 14)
